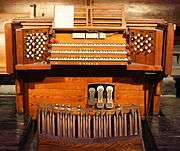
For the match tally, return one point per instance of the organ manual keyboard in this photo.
(91, 83)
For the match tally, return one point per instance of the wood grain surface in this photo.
(2, 53)
(122, 144)
(74, 91)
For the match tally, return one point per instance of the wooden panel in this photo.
(144, 67)
(19, 96)
(9, 48)
(169, 49)
(157, 98)
(142, 46)
(158, 47)
(69, 91)
(2, 54)
(33, 67)
(19, 46)
(128, 144)
(104, 16)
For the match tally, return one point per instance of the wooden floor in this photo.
(13, 127)
(161, 133)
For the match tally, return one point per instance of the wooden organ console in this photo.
(95, 80)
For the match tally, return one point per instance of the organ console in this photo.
(95, 80)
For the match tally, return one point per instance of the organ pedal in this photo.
(100, 102)
(109, 103)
